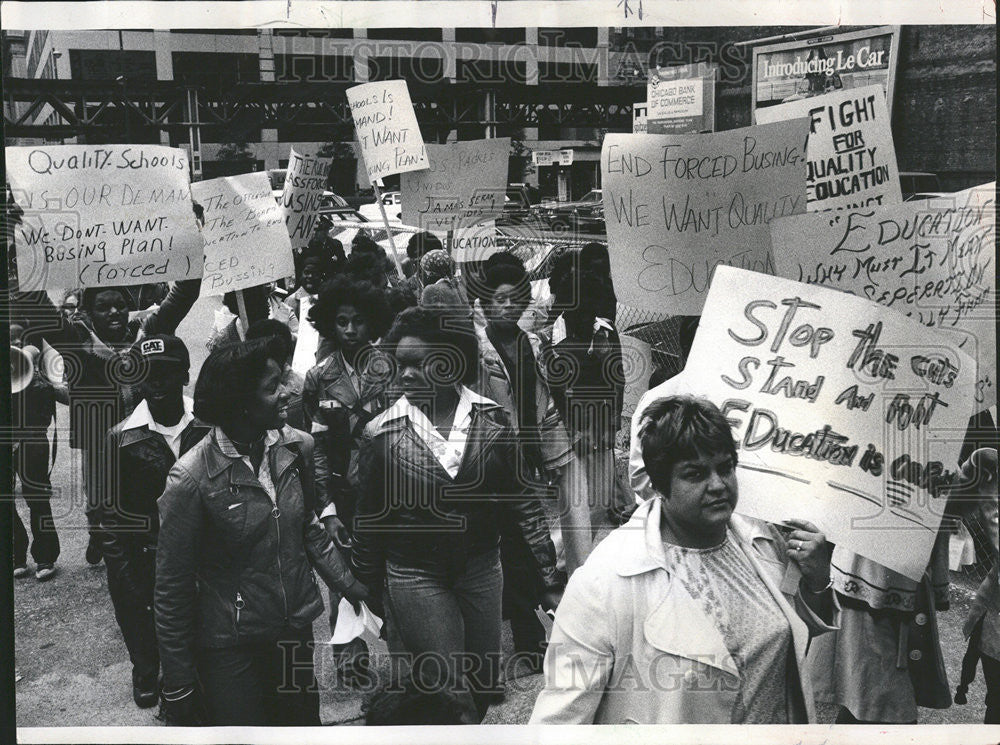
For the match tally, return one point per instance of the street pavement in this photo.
(72, 669)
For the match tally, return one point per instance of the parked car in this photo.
(518, 207)
(393, 203)
(915, 185)
(334, 205)
(589, 220)
(566, 215)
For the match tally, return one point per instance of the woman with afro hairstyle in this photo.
(341, 394)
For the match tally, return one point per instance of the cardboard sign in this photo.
(845, 413)
(477, 243)
(464, 185)
(676, 206)
(852, 159)
(246, 242)
(102, 216)
(933, 260)
(387, 128)
(305, 182)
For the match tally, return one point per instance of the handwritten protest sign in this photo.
(851, 156)
(387, 128)
(102, 215)
(305, 181)
(676, 206)
(933, 260)
(476, 243)
(845, 412)
(246, 243)
(464, 185)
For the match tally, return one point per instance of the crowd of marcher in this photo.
(439, 446)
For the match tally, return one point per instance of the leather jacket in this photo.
(232, 567)
(336, 414)
(101, 391)
(136, 463)
(413, 513)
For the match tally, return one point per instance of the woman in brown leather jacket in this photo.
(439, 473)
(235, 594)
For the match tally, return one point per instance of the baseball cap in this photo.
(162, 348)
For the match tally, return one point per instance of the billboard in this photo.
(681, 99)
(793, 70)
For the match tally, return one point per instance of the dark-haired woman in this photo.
(515, 379)
(439, 472)
(685, 614)
(235, 592)
(340, 395)
(94, 343)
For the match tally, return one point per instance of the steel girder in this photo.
(96, 107)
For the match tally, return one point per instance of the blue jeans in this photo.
(449, 621)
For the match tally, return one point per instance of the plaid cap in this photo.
(162, 348)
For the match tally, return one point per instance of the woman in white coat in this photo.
(689, 614)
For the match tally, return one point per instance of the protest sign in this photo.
(102, 215)
(464, 185)
(246, 243)
(845, 413)
(676, 206)
(933, 260)
(387, 128)
(851, 157)
(476, 243)
(305, 182)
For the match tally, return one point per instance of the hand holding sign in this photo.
(841, 416)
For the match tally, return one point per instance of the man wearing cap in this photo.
(138, 453)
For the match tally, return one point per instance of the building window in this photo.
(567, 37)
(316, 33)
(313, 68)
(216, 31)
(108, 64)
(410, 69)
(566, 72)
(491, 71)
(490, 35)
(405, 34)
(215, 70)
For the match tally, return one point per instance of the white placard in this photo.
(387, 128)
(246, 242)
(102, 215)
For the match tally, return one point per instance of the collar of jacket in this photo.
(285, 450)
(395, 418)
(140, 434)
(660, 628)
(648, 554)
(372, 376)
